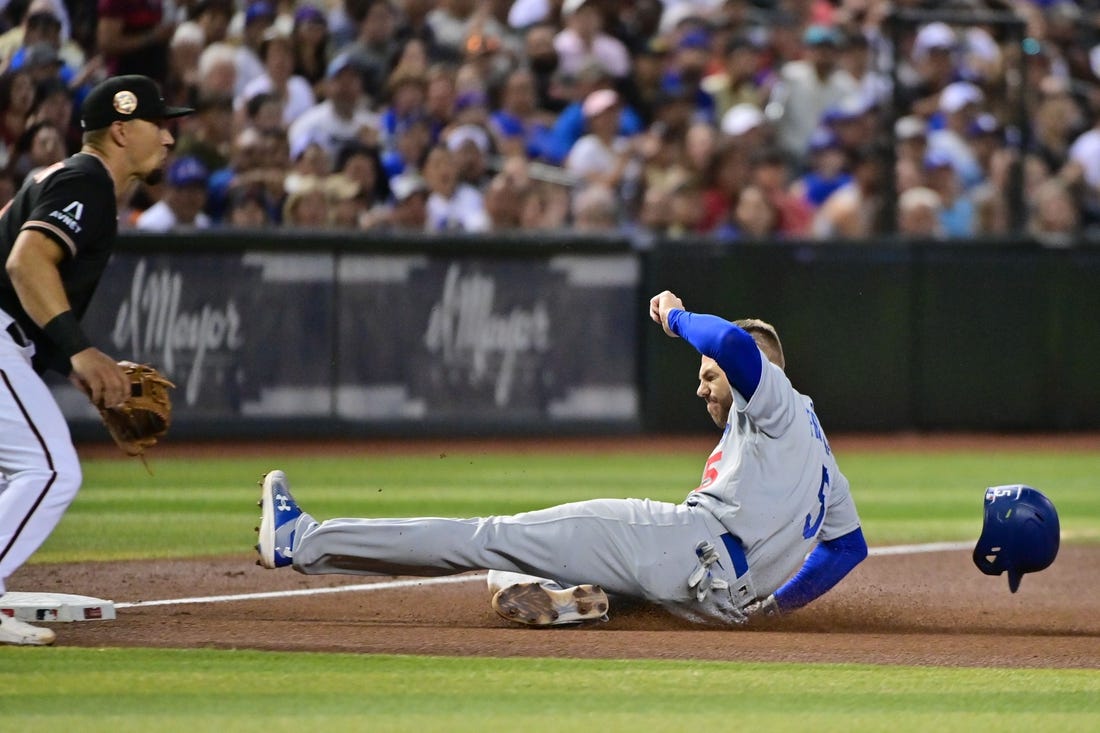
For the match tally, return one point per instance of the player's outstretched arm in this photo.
(826, 566)
(731, 346)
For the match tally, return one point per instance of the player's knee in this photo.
(58, 486)
(69, 478)
(65, 476)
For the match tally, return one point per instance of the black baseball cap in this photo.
(132, 97)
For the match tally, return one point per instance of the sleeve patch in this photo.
(69, 216)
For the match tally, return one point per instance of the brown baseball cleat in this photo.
(536, 604)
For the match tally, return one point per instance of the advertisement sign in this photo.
(475, 339)
(376, 339)
(239, 334)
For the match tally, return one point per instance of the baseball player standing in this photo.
(770, 527)
(56, 236)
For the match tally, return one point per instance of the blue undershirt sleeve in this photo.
(732, 347)
(826, 565)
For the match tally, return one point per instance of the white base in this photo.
(32, 607)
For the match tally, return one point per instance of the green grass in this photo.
(193, 508)
(168, 691)
(905, 497)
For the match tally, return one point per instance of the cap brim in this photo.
(170, 112)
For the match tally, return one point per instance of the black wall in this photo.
(928, 336)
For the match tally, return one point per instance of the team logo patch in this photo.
(75, 210)
(125, 103)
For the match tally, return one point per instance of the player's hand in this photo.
(763, 608)
(660, 305)
(100, 377)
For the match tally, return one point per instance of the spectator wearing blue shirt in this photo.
(43, 62)
(828, 169)
(684, 74)
(407, 94)
(960, 104)
(518, 126)
(957, 216)
(413, 139)
(570, 125)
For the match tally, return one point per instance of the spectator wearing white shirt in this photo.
(808, 87)
(471, 147)
(217, 72)
(1084, 160)
(583, 41)
(603, 156)
(344, 117)
(451, 22)
(452, 206)
(183, 200)
(294, 93)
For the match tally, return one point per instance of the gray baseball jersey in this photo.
(773, 481)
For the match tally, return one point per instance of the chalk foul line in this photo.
(454, 579)
(383, 585)
(916, 549)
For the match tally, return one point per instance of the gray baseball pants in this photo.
(631, 547)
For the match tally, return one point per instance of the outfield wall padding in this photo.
(284, 334)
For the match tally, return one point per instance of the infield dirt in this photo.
(924, 609)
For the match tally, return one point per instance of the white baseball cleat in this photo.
(279, 515)
(14, 631)
(537, 604)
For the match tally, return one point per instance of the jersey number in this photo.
(710, 473)
(809, 530)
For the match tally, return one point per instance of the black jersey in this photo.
(72, 203)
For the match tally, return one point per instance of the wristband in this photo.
(64, 330)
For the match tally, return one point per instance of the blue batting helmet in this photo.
(1019, 533)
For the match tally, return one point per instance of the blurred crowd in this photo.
(728, 119)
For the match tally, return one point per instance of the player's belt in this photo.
(16, 334)
(737, 553)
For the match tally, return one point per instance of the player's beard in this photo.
(719, 413)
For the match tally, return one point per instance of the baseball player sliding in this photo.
(56, 236)
(771, 526)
